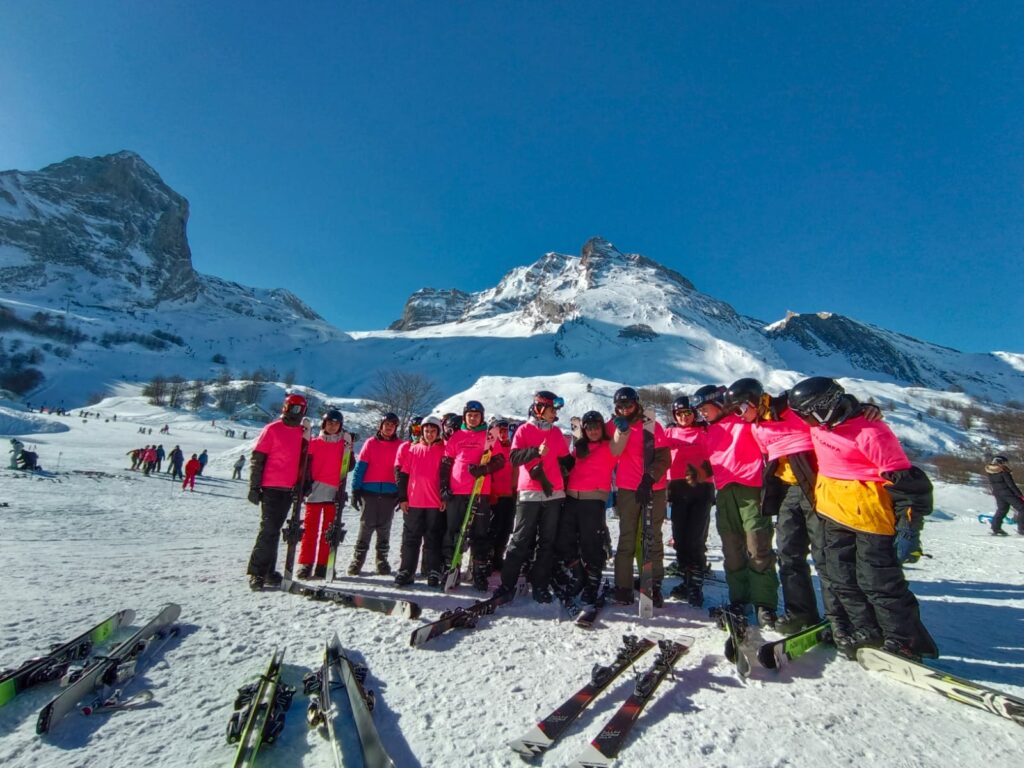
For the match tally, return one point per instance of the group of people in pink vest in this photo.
(808, 473)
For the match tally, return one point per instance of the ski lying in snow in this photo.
(588, 613)
(989, 519)
(54, 664)
(320, 686)
(602, 751)
(404, 608)
(97, 681)
(539, 738)
(956, 688)
(463, 618)
(736, 625)
(259, 713)
(774, 654)
(353, 677)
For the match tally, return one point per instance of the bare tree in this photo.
(175, 391)
(198, 394)
(253, 391)
(156, 390)
(402, 393)
(659, 397)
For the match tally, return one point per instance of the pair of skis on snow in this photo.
(98, 685)
(464, 617)
(261, 706)
(608, 743)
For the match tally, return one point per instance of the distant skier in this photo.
(375, 494)
(160, 455)
(1007, 494)
(176, 459)
(16, 448)
(203, 458)
(273, 480)
(237, 468)
(191, 470)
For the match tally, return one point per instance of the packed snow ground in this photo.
(79, 546)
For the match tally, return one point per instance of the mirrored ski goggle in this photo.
(558, 403)
(416, 429)
(295, 409)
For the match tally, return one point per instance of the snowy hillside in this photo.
(97, 287)
(88, 537)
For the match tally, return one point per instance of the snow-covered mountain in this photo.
(97, 286)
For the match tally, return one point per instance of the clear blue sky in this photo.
(863, 158)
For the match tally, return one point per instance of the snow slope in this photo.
(78, 546)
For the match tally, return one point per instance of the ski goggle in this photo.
(683, 412)
(416, 429)
(557, 403)
(295, 409)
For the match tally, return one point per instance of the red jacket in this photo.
(193, 467)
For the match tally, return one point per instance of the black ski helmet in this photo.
(744, 391)
(497, 422)
(681, 403)
(625, 395)
(713, 394)
(450, 422)
(1000, 460)
(332, 415)
(474, 406)
(592, 417)
(817, 398)
(389, 416)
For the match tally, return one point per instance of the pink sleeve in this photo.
(882, 448)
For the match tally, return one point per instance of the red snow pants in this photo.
(314, 534)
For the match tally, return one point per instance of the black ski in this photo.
(774, 654)
(646, 601)
(463, 618)
(404, 608)
(601, 752)
(96, 682)
(321, 687)
(736, 625)
(259, 713)
(353, 677)
(54, 664)
(955, 688)
(540, 738)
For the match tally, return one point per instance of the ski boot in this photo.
(434, 579)
(304, 572)
(695, 587)
(766, 617)
(623, 596)
(403, 578)
(356, 566)
(383, 566)
(656, 596)
(480, 574)
(273, 579)
(320, 572)
(256, 583)
(542, 594)
(898, 648)
(790, 623)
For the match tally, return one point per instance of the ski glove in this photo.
(255, 495)
(341, 498)
(582, 446)
(477, 470)
(621, 423)
(357, 500)
(446, 493)
(537, 473)
(644, 490)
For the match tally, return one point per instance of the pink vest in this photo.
(594, 471)
(688, 449)
(529, 435)
(379, 456)
(733, 452)
(283, 446)
(501, 481)
(858, 450)
(465, 448)
(325, 460)
(631, 461)
(789, 435)
(422, 462)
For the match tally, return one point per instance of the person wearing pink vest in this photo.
(326, 474)
(462, 466)
(419, 497)
(690, 496)
(502, 497)
(746, 534)
(538, 451)
(582, 530)
(273, 484)
(638, 482)
(861, 469)
(375, 495)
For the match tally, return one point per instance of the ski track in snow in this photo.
(77, 547)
